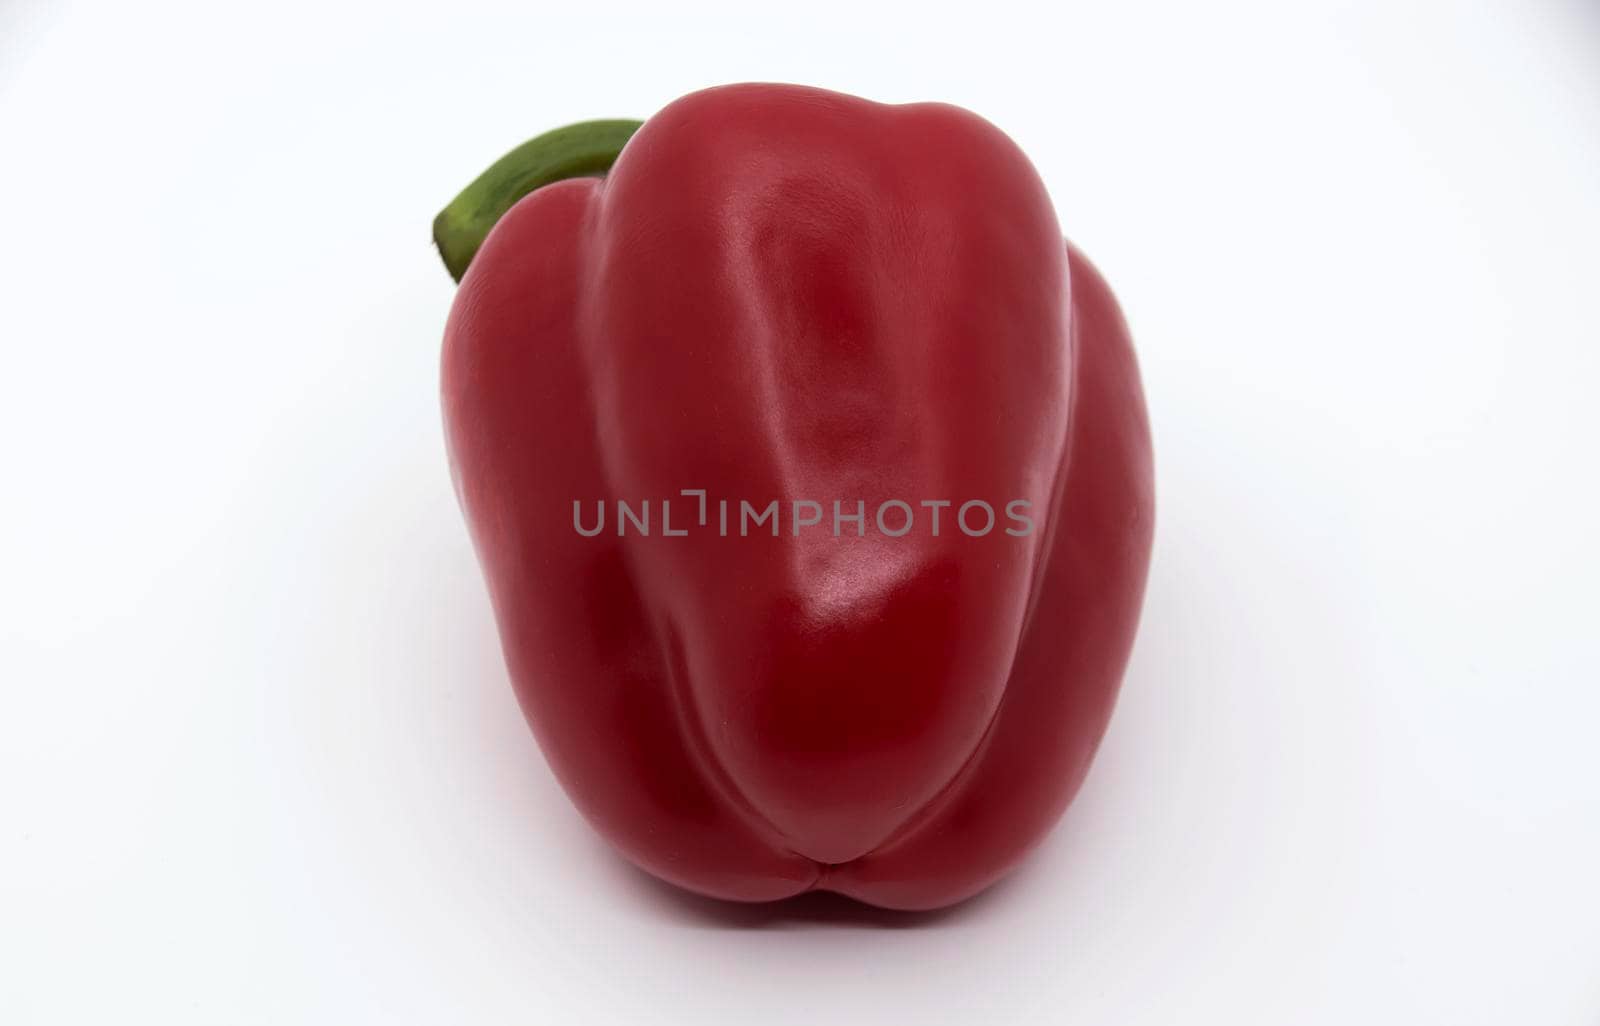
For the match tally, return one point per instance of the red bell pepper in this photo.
(811, 477)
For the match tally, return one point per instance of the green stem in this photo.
(587, 148)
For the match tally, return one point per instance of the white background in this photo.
(259, 761)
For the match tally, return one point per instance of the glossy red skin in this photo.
(785, 293)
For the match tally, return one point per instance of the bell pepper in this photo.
(810, 474)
